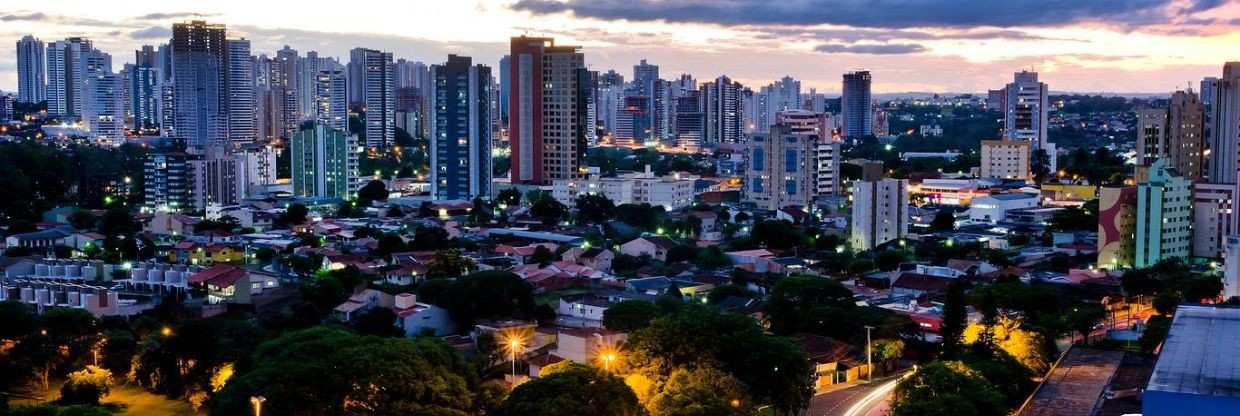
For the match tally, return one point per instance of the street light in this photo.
(166, 331)
(607, 358)
(869, 357)
(257, 401)
(514, 344)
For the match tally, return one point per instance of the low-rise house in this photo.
(361, 302)
(226, 283)
(40, 239)
(189, 252)
(584, 310)
(655, 247)
(918, 285)
(521, 253)
(169, 223)
(594, 258)
(417, 318)
(834, 362)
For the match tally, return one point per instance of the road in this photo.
(861, 400)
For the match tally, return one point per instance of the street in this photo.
(860, 400)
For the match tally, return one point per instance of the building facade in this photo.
(200, 71)
(1025, 112)
(1213, 218)
(879, 208)
(460, 130)
(371, 73)
(547, 104)
(1164, 216)
(31, 70)
(855, 103)
(1117, 220)
(1005, 159)
(324, 162)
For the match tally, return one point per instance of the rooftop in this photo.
(1199, 355)
(1075, 385)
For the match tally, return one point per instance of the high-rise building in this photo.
(505, 84)
(632, 126)
(258, 164)
(167, 181)
(308, 70)
(460, 130)
(1225, 132)
(1151, 135)
(1025, 112)
(1117, 222)
(371, 73)
(879, 208)
(548, 103)
(31, 72)
(722, 108)
(200, 74)
(104, 112)
(1213, 218)
(145, 84)
(331, 105)
(242, 119)
(1005, 159)
(324, 162)
(6, 107)
(1185, 135)
(689, 119)
(284, 79)
(217, 177)
(1209, 91)
(855, 103)
(1164, 215)
(69, 63)
(786, 167)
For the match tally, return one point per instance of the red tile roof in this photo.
(220, 275)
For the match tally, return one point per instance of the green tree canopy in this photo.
(630, 315)
(572, 390)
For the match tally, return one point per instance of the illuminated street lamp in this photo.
(166, 331)
(607, 358)
(514, 344)
(257, 402)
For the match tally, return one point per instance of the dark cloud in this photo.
(23, 17)
(872, 49)
(153, 32)
(57, 19)
(884, 35)
(880, 13)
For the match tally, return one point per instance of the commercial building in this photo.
(1213, 218)
(460, 150)
(1006, 159)
(1197, 374)
(1117, 222)
(324, 162)
(31, 70)
(879, 208)
(670, 192)
(370, 74)
(1164, 216)
(992, 209)
(548, 103)
(201, 96)
(855, 105)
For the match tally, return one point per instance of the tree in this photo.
(295, 214)
(82, 219)
(327, 371)
(1084, 317)
(379, 322)
(944, 220)
(482, 295)
(449, 263)
(548, 210)
(712, 257)
(542, 256)
(594, 209)
(946, 388)
(1011, 337)
(429, 238)
(796, 302)
(955, 317)
(629, 315)
(574, 390)
(701, 391)
(510, 197)
(374, 190)
(86, 386)
(775, 370)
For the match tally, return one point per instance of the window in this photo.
(757, 184)
(759, 159)
(790, 160)
(790, 186)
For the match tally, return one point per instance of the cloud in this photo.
(872, 49)
(23, 17)
(891, 14)
(853, 35)
(172, 16)
(153, 32)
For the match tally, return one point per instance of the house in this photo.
(709, 228)
(584, 310)
(594, 258)
(655, 247)
(521, 253)
(232, 284)
(361, 302)
(168, 223)
(39, 239)
(82, 240)
(587, 345)
(659, 285)
(757, 261)
(405, 274)
(792, 214)
(189, 252)
(918, 285)
(416, 318)
(834, 362)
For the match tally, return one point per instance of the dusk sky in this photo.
(1146, 46)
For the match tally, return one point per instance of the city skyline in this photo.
(1147, 46)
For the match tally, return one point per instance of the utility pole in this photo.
(869, 357)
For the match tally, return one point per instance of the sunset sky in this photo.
(1146, 46)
